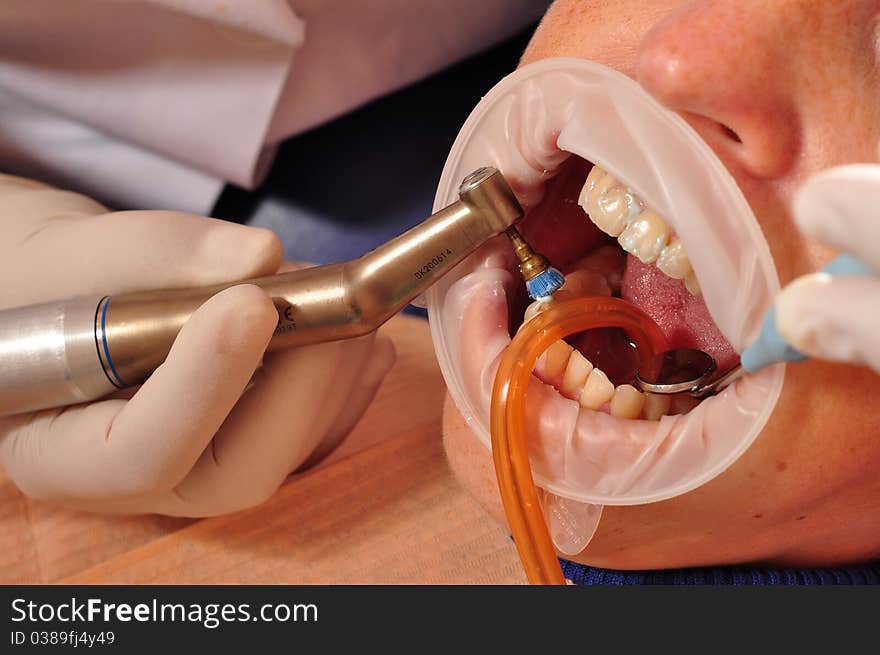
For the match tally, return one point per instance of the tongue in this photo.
(683, 318)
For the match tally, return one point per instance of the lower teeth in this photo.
(575, 377)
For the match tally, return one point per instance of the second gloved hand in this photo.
(837, 318)
(190, 441)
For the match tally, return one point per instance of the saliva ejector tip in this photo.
(542, 280)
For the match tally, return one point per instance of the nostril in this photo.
(731, 134)
(735, 91)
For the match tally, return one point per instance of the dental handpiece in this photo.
(80, 349)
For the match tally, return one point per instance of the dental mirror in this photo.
(680, 370)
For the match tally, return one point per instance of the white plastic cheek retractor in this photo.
(527, 126)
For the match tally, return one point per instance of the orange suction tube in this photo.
(509, 447)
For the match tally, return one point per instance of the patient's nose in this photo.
(724, 65)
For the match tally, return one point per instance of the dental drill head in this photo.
(542, 280)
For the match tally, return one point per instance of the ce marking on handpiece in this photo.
(286, 321)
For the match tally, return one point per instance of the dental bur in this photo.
(542, 280)
(80, 349)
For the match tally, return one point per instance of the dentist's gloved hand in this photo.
(837, 318)
(187, 442)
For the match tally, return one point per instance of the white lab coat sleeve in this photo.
(193, 82)
(355, 51)
(42, 145)
(180, 96)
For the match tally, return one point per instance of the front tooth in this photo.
(561, 296)
(598, 390)
(690, 281)
(656, 405)
(557, 357)
(674, 260)
(595, 175)
(593, 190)
(540, 306)
(613, 210)
(627, 402)
(646, 236)
(576, 373)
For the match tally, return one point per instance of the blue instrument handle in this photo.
(770, 347)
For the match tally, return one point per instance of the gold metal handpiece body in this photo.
(81, 349)
(323, 303)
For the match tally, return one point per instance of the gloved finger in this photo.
(277, 424)
(146, 446)
(839, 207)
(27, 211)
(835, 318)
(8, 181)
(137, 250)
(361, 395)
(207, 490)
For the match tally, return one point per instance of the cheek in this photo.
(794, 253)
(817, 255)
(470, 461)
(605, 31)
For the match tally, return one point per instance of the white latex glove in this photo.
(187, 442)
(837, 318)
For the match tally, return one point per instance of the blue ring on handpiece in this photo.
(119, 381)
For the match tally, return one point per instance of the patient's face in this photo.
(779, 90)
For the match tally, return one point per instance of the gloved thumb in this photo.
(832, 317)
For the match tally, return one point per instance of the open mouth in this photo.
(625, 199)
(608, 242)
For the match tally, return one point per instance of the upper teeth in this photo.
(674, 261)
(645, 236)
(617, 211)
(610, 205)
